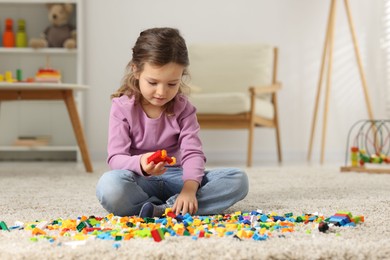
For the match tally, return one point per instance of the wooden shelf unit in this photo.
(41, 117)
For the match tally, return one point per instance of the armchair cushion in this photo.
(226, 68)
(224, 73)
(230, 103)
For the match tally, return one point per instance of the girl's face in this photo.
(159, 84)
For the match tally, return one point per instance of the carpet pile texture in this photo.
(47, 191)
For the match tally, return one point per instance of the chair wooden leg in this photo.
(280, 158)
(275, 103)
(250, 146)
(78, 130)
(277, 129)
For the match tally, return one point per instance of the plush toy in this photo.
(60, 33)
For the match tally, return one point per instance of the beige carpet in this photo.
(46, 191)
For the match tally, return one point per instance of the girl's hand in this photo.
(152, 169)
(186, 202)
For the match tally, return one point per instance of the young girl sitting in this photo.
(149, 112)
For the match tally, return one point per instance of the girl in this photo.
(149, 112)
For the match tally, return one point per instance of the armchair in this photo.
(236, 88)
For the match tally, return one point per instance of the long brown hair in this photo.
(157, 46)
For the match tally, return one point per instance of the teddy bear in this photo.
(60, 34)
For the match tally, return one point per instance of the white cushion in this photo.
(217, 68)
(230, 103)
(224, 72)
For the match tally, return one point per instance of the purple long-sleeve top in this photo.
(132, 133)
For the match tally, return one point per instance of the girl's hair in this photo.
(157, 46)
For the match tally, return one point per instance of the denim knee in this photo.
(111, 192)
(239, 182)
(242, 183)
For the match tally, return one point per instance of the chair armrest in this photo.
(265, 89)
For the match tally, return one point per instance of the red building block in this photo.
(161, 156)
(157, 235)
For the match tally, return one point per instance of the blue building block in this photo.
(276, 218)
(342, 221)
(263, 218)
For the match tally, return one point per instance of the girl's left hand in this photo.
(186, 202)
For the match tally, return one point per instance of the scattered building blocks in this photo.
(343, 218)
(240, 225)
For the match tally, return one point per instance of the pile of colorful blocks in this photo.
(248, 225)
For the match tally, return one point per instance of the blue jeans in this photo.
(123, 192)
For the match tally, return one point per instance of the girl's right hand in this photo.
(152, 169)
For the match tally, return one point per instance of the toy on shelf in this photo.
(48, 75)
(21, 36)
(9, 77)
(368, 147)
(19, 75)
(60, 33)
(8, 35)
(1, 37)
(44, 75)
(161, 156)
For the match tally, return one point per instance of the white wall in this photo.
(297, 27)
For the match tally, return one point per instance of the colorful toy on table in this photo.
(161, 156)
(48, 75)
(8, 35)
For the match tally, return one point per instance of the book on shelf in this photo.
(33, 140)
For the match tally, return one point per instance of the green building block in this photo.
(3, 226)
